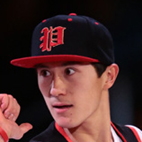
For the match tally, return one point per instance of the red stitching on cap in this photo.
(96, 23)
(72, 14)
(69, 19)
(44, 21)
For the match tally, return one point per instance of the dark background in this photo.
(123, 18)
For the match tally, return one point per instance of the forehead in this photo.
(60, 64)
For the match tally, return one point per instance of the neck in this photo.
(96, 128)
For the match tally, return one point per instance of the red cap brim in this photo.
(30, 62)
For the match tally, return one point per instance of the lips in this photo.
(61, 107)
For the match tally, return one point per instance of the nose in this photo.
(57, 87)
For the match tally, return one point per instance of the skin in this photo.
(9, 111)
(78, 99)
(9, 106)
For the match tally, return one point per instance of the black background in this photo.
(123, 18)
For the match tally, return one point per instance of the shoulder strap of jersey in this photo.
(136, 133)
(62, 132)
(51, 134)
(126, 133)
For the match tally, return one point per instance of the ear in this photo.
(111, 75)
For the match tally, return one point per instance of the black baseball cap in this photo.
(69, 38)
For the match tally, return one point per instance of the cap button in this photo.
(72, 14)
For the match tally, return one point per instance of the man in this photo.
(74, 59)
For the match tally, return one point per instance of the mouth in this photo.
(61, 108)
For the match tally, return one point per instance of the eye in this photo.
(69, 71)
(45, 73)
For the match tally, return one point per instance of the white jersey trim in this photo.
(116, 138)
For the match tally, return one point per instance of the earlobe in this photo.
(111, 73)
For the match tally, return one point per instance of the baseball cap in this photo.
(69, 38)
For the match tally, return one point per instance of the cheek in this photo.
(44, 89)
(89, 91)
(44, 86)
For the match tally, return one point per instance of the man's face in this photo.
(72, 92)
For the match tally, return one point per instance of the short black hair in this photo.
(100, 68)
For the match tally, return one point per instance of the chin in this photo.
(65, 122)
